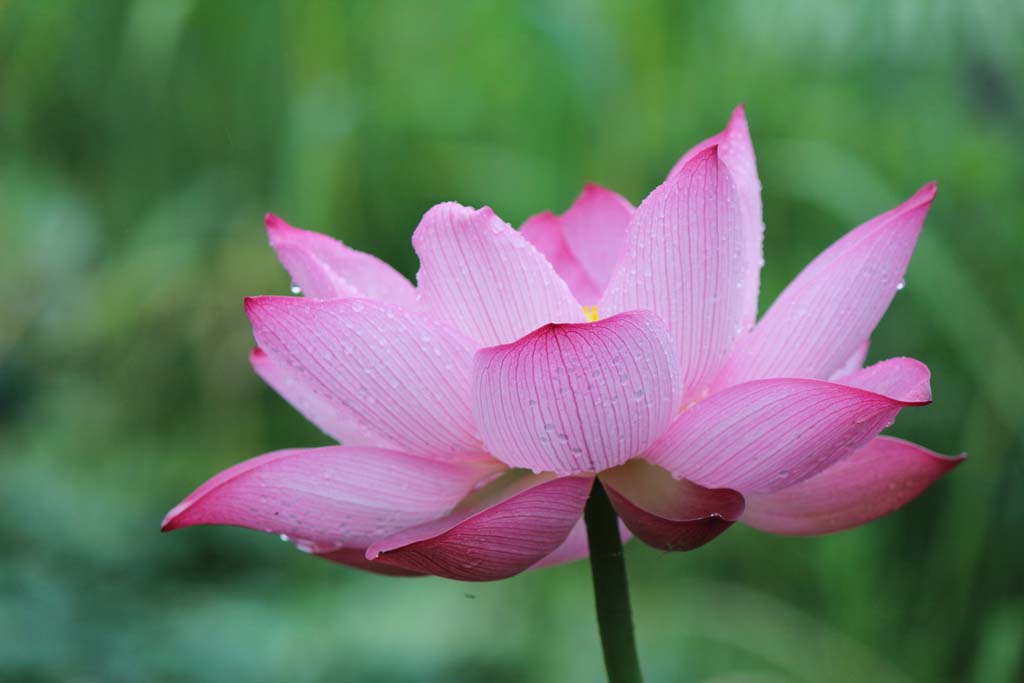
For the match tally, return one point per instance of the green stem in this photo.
(611, 589)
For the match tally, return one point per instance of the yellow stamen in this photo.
(591, 313)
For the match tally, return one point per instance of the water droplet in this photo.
(284, 537)
(900, 285)
(295, 289)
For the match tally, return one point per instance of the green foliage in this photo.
(143, 141)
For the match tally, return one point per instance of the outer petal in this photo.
(484, 278)
(576, 546)
(327, 498)
(324, 268)
(332, 418)
(667, 513)
(509, 527)
(766, 435)
(584, 243)
(687, 259)
(736, 150)
(821, 318)
(403, 376)
(907, 379)
(577, 398)
(880, 478)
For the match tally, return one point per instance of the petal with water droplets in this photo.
(505, 528)
(669, 513)
(485, 279)
(324, 268)
(880, 478)
(577, 398)
(327, 498)
(407, 378)
(831, 307)
(765, 435)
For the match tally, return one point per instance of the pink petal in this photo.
(484, 278)
(510, 526)
(324, 268)
(405, 377)
(687, 259)
(880, 478)
(736, 150)
(667, 513)
(577, 398)
(544, 232)
(821, 318)
(766, 435)
(854, 363)
(327, 498)
(576, 546)
(332, 418)
(584, 243)
(904, 379)
(356, 558)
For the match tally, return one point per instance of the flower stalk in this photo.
(611, 589)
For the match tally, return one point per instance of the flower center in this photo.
(591, 313)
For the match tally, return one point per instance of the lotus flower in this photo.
(476, 408)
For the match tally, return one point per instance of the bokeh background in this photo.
(140, 145)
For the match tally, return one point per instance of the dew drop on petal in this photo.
(295, 289)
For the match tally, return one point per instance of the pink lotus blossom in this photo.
(476, 408)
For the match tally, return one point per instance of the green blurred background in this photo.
(140, 145)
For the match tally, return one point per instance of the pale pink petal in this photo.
(880, 478)
(766, 435)
(854, 363)
(821, 318)
(576, 546)
(332, 418)
(405, 377)
(484, 278)
(668, 513)
(595, 229)
(324, 268)
(736, 150)
(506, 528)
(904, 379)
(327, 498)
(687, 259)
(544, 231)
(577, 398)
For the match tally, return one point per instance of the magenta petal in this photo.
(766, 435)
(323, 499)
(504, 529)
(736, 150)
(577, 398)
(324, 268)
(356, 558)
(485, 279)
(881, 477)
(688, 259)
(831, 307)
(667, 513)
(332, 418)
(405, 377)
